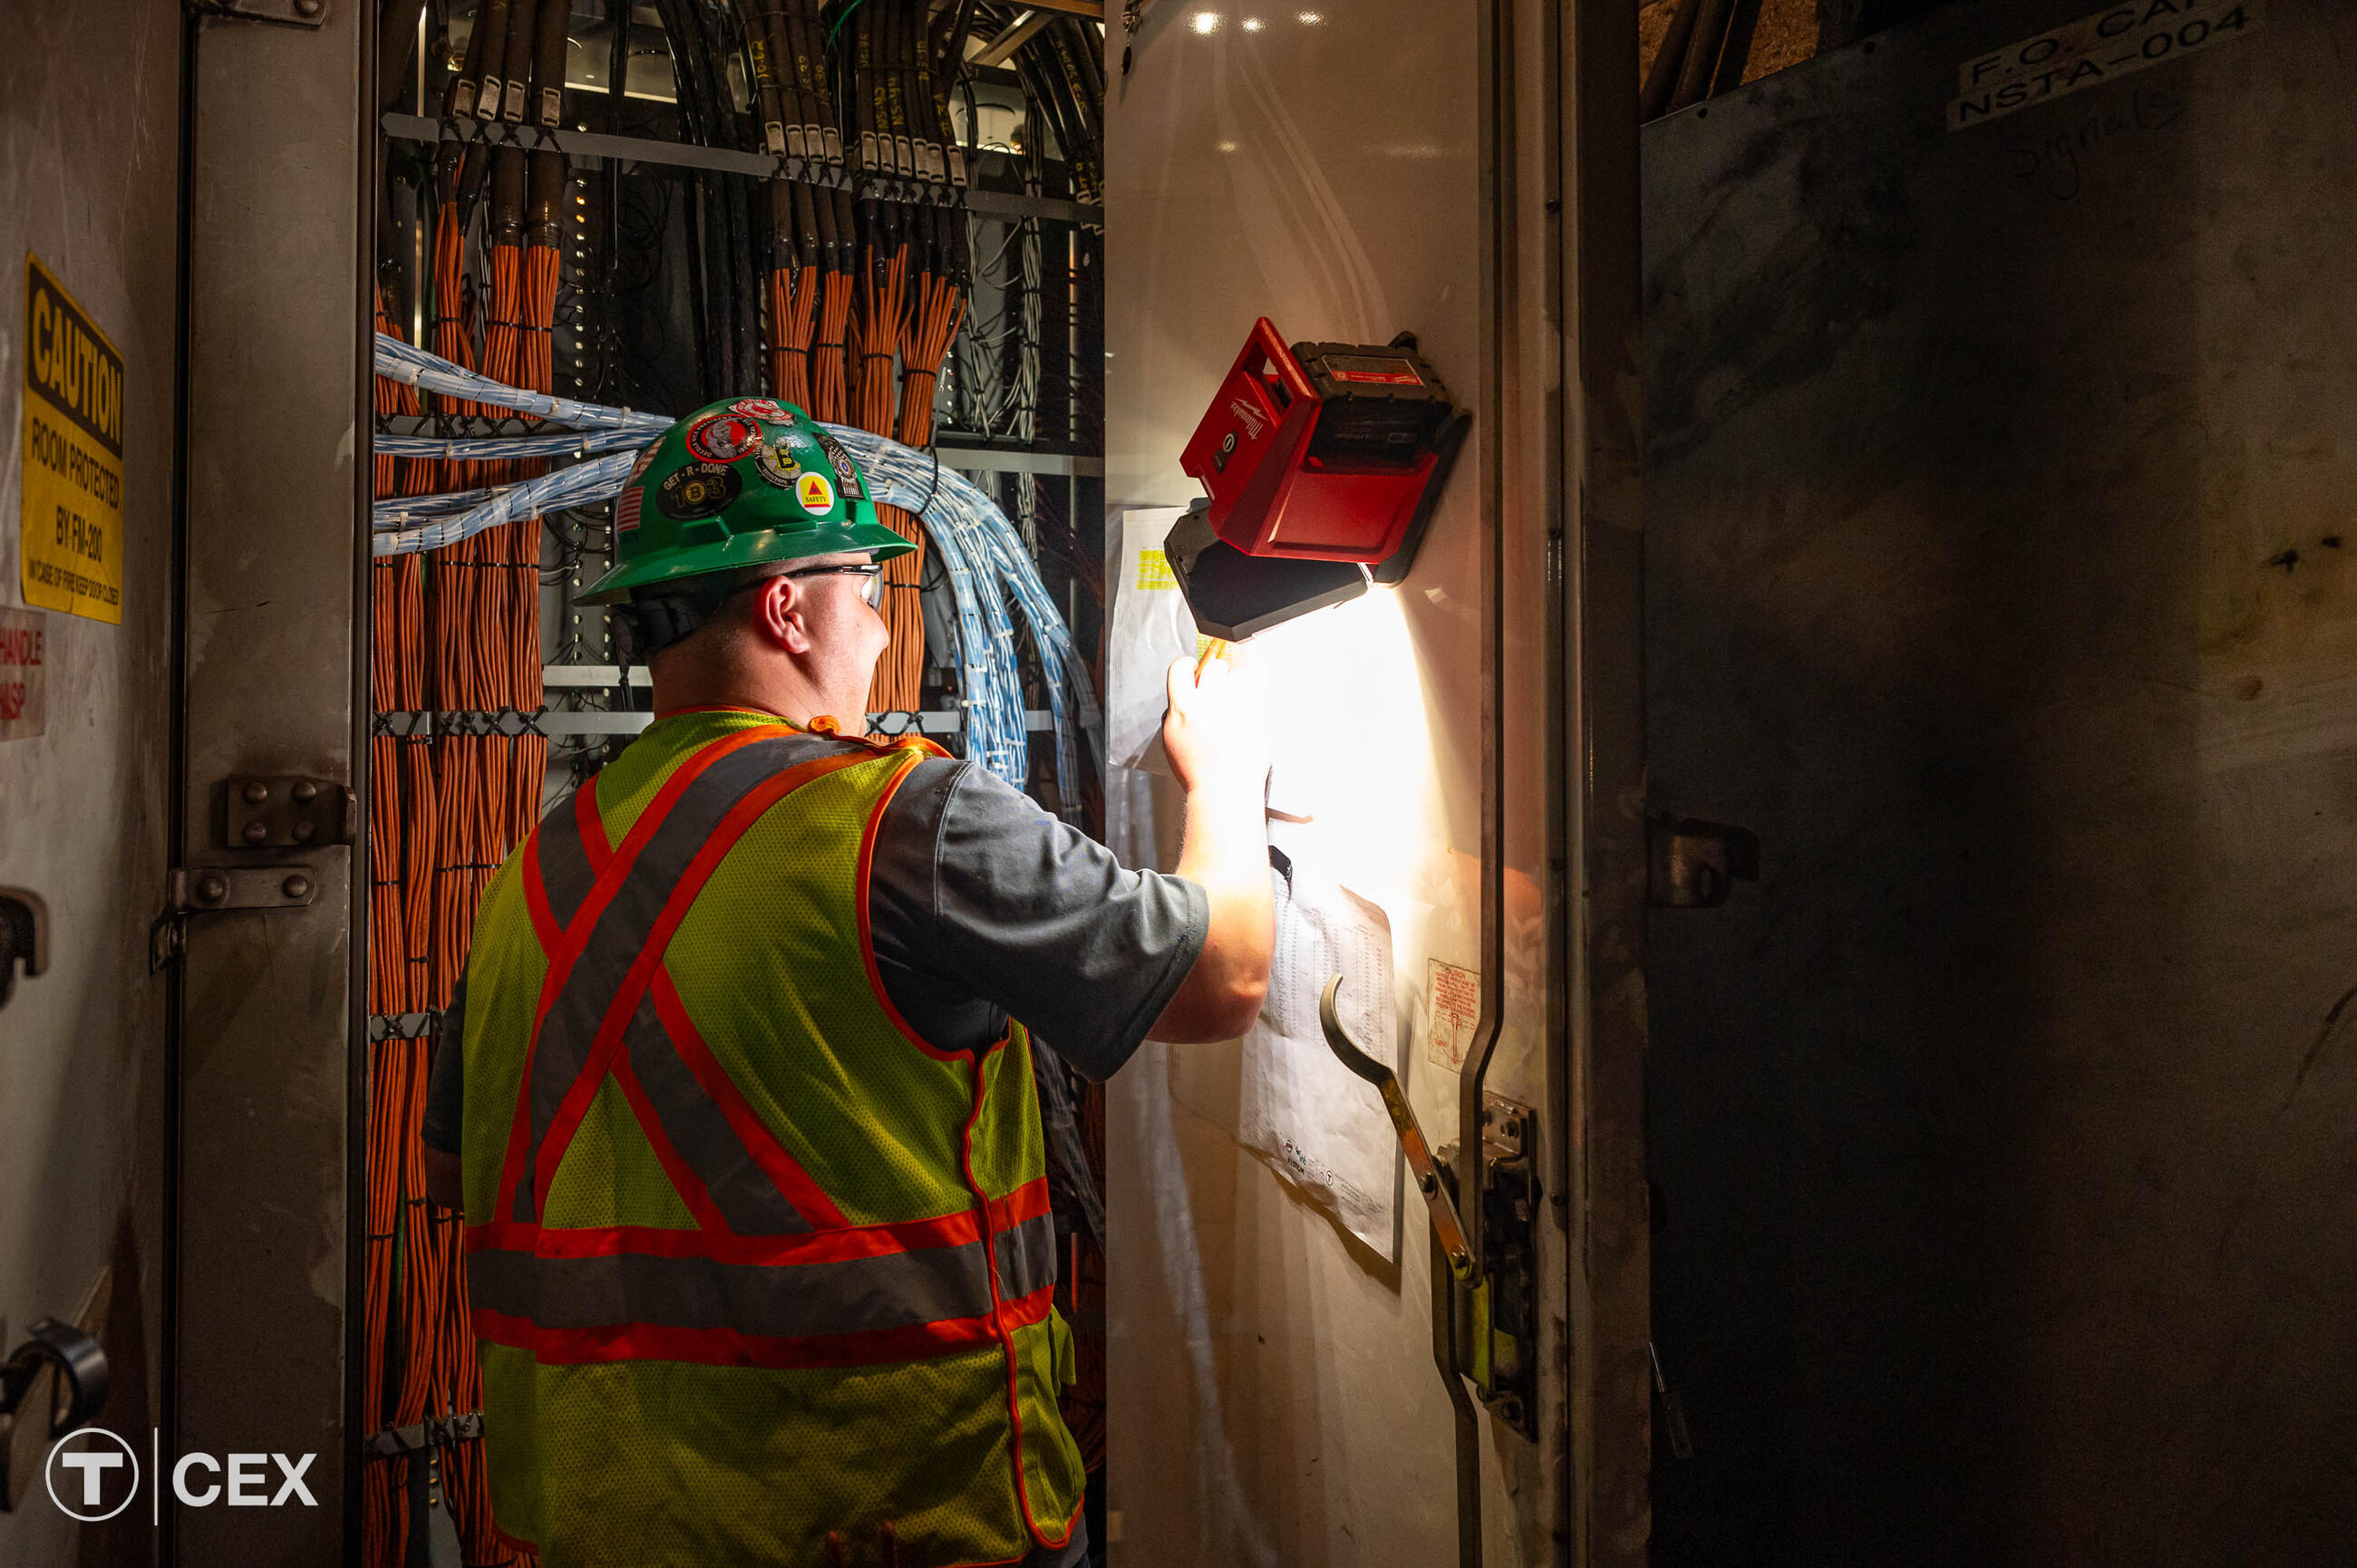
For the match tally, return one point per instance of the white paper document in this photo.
(1150, 628)
(1322, 1126)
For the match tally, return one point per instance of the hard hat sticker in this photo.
(761, 408)
(814, 493)
(646, 460)
(723, 438)
(778, 464)
(699, 489)
(626, 510)
(840, 460)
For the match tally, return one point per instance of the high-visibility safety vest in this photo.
(749, 1262)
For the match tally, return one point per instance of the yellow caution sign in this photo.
(72, 517)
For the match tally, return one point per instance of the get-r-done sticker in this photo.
(699, 489)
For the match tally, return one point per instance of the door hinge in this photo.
(1692, 864)
(213, 889)
(285, 811)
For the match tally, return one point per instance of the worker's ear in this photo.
(779, 610)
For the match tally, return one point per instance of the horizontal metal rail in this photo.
(588, 144)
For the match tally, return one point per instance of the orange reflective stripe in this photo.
(719, 1347)
(563, 861)
(949, 1275)
(567, 952)
(612, 949)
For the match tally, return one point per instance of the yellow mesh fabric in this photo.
(609, 1175)
(754, 1466)
(770, 963)
(647, 1462)
(504, 971)
(1009, 1147)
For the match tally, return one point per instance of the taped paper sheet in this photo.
(1150, 628)
(1323, 1127)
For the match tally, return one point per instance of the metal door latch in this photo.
(1499, 1347)
(31, 1415)
(1496, 1310)
(210, 890)
(286, 812)
(1695, 864)
(24, 937)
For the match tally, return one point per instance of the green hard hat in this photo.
(739, 484)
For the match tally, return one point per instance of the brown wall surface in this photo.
(1999, 535)
(89, 182)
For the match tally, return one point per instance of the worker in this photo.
(737, 1098)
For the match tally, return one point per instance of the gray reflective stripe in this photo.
(622, 929)
(1027, 1257)
(564, 860)
(748, 1199)
(896, 1290)
(565, 872)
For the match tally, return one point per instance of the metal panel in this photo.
(1997, 531)
(89, 171)
(1274, 1397)
(276, 236)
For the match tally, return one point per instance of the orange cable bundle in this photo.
(899, 675)
(885, 337)
(828, 388)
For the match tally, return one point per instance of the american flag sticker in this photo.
(626, 510)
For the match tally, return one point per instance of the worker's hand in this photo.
(1216, 731)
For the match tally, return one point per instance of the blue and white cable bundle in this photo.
(985, 561)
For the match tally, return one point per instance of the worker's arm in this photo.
(1214, 734)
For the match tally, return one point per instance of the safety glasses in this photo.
(872, 590)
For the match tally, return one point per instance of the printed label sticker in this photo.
(814, 493)
(1454, 1007)
(723, 438)
(700, 489)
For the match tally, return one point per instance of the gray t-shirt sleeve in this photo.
(984, 905)
(446, 1085)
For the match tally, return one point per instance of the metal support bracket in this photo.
(287, 13)
(212, 889)
(31, 1415)
(1500, 1321)
(286, 812)
(24, 937)
(1696, 863)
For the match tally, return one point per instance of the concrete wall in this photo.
(88, 157)
(1999, 516)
